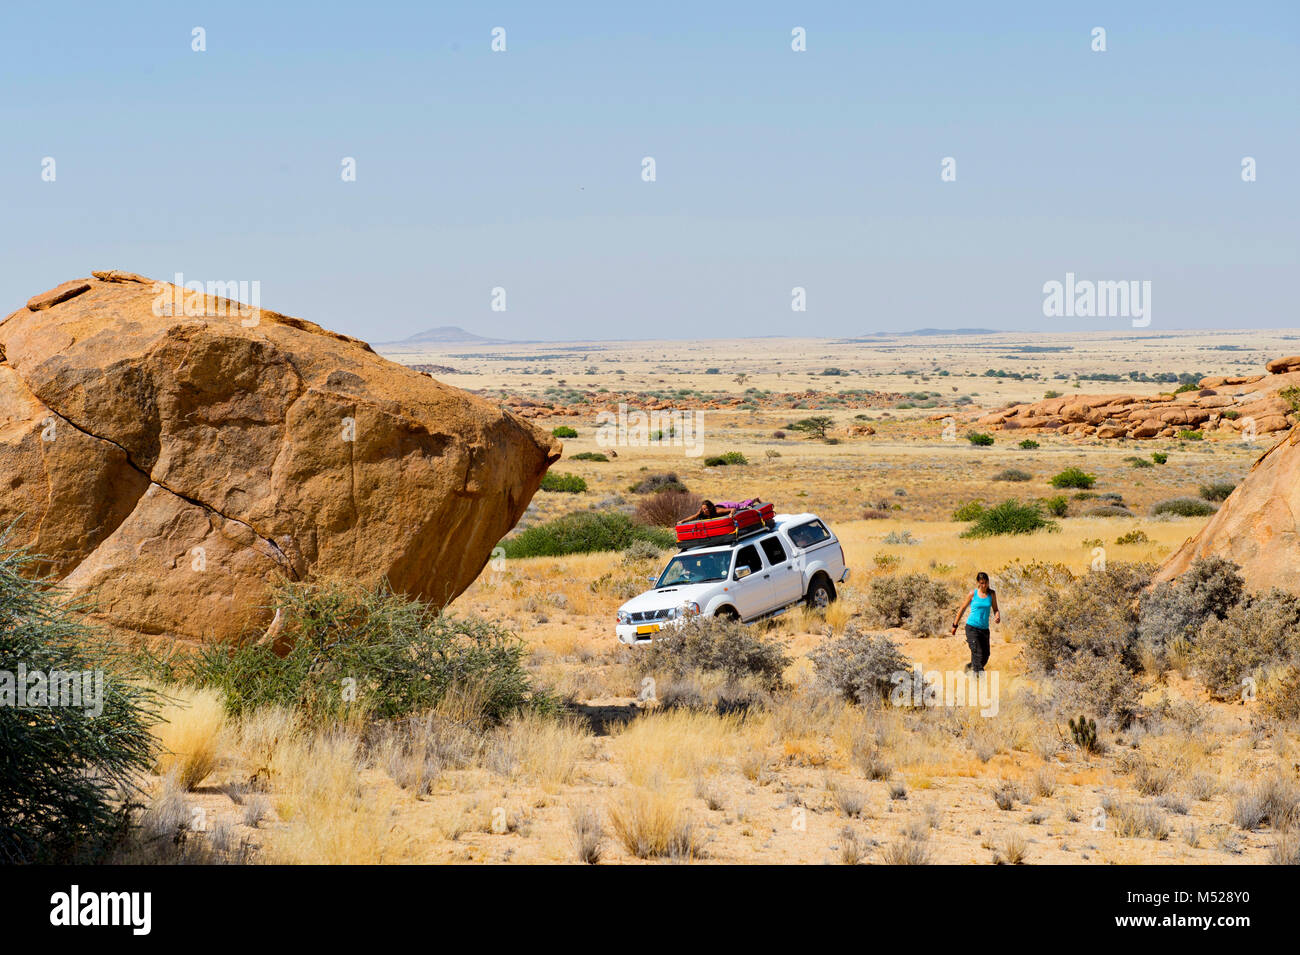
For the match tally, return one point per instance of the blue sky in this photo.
(775, 169)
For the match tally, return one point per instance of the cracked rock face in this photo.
(170, 468)
(1258, 526)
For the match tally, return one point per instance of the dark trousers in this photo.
(977, 638)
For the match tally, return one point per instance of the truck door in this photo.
(751, 593)
(787, 580)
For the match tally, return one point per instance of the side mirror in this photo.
(742, 572)
(652, 578)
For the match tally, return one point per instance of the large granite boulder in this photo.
(171, 454)
(1258, 526)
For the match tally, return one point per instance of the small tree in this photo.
(815, 427)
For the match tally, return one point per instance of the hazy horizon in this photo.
(775, 169)
(913, 333)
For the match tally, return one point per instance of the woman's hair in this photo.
(709, 507)
(981, 576)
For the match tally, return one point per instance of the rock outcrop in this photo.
(1258, 526)
(171, 453)
(1248, 404)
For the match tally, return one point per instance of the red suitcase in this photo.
(721, 528)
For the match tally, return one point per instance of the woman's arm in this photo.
(997, 614)
(956, 622)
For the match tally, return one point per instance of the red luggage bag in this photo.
(722, 528)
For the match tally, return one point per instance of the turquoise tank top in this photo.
(979, 610)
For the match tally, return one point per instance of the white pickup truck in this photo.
(759, 575)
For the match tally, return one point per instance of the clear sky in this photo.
(774, 168)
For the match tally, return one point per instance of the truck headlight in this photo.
(673, 614)
(624, 617)
(691, 609)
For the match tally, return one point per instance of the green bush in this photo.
(563, 483)
(65, 776)
(584, 532)
(403, 655)
(589, 456)
(564, 431)
(722, 460)
(1029, 444)
(968, 511)
(1217, 490)
(1183, 507)
(1009, 517)
(1187, 435)
(1139, 462)
(1057, 505)
(1160, 457)
(979, 439)
(1074, 477)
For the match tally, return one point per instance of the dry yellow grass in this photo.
(329, 815)
(544, 750)
(660, 748)
(651, 823)
(189, 730)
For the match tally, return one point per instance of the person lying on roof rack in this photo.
(709, 510)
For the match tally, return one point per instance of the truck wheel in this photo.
(727, 613)
(820, 593)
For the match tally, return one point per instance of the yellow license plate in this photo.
(647, 628)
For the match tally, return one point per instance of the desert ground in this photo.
(803, 777)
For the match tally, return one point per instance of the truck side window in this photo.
(806, 535)
(747, 556)
(774, 551)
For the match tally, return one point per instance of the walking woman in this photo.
(981, 601)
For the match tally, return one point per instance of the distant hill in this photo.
(445, 335)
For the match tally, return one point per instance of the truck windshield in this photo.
(695, 569)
